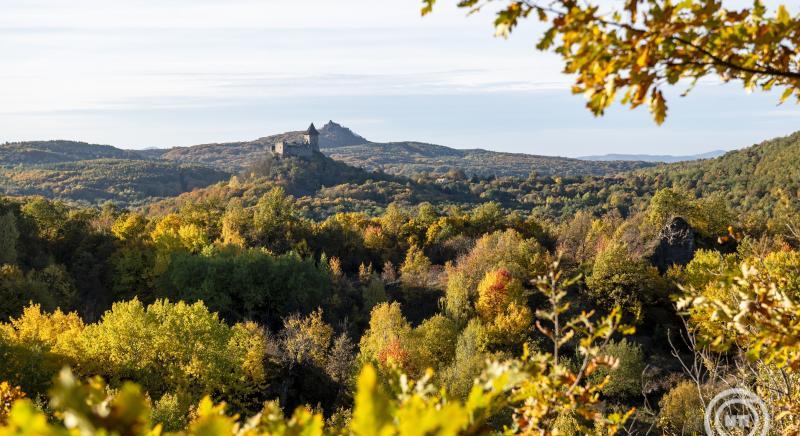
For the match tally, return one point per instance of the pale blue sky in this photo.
(142, 73)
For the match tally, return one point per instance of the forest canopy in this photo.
(251, 314)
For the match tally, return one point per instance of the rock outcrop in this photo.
(676, 245)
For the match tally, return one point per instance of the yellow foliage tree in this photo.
(8, 395)
(754, 315)
(501, 305)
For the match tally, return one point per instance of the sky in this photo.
(163, 73)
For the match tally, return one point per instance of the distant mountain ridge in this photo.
(49, 152)
(410, 158)
(664, 158)
(94, 173)
(399, 158)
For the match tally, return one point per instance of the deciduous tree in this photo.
(639, 47)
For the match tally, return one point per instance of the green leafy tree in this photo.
(8, 238)
(470, 356)
(625, 381)
(275, 220)
(18, 289)
(373, 293)
(486, 218)
(617, 279)
(57, 280)
(50, 217)
(415, 270)
(436, 341)
(249, 284)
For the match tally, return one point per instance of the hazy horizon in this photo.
(177, 73)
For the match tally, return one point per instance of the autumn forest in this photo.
(407, 288)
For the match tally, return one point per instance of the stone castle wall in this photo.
(306, 148)
(293, 149)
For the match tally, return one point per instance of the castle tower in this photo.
(311, 137)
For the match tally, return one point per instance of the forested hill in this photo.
(323, 187)
(410, 158)
(127, 182)
(400, 158)
(755, 179)
(235, 156)
(759, 184)
(91, 173)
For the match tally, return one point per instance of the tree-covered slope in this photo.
(232, 156)
(752, 179)
(323, 187)
(409, 158)
(94, 181)
(759, 184)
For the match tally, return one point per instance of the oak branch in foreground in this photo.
(639, 47)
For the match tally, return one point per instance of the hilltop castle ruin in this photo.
(306, 148)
